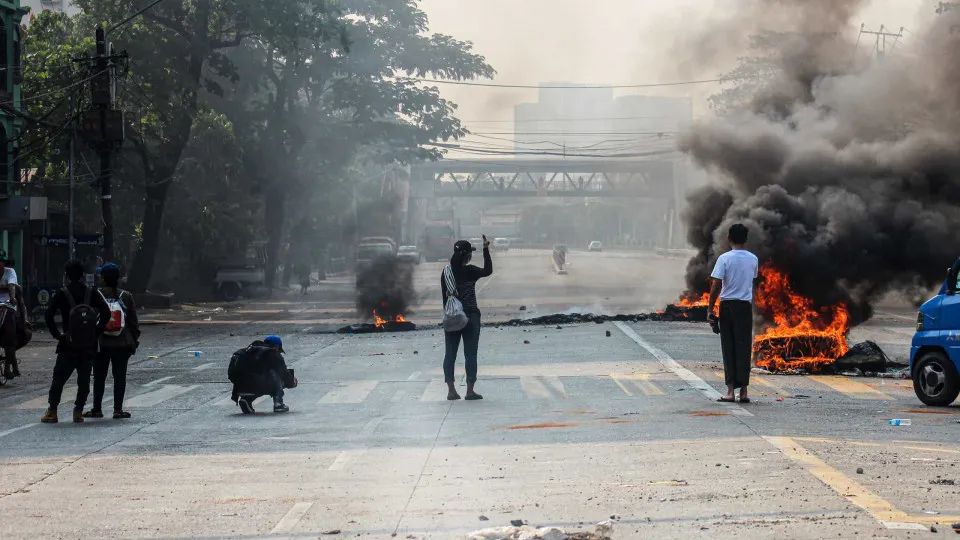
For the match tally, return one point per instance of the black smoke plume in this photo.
(845, 170)
(386, 285)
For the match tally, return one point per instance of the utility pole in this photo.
(103, 128)
(73, 143)
(881, 45)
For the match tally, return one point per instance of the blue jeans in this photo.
(471, 342)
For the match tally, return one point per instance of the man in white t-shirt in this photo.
(733, 278)
(8, 282)
(8, 276)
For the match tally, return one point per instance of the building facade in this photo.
(16, 211)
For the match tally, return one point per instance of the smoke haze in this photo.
(845, 170)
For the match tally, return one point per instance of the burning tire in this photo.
(935, 379)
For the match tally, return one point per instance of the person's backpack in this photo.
(118, 315)
(454, 318)
(243, 361)
(82, 326)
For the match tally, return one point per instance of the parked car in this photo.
(375, 240)
(595, 246)
(501, 244)
(409, 254)
(242, 276)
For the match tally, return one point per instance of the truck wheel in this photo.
(935, 380)
(230, 291)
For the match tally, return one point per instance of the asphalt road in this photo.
(575, 427)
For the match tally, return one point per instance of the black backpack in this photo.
(82, 321)
(243, 362)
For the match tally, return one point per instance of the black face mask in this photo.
(466, 257)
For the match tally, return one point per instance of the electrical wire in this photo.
(50, 93)
(563, 87)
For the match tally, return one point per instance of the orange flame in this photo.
(380, 322)
(692, 300)
(801, 336)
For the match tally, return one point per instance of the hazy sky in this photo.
(600, 42)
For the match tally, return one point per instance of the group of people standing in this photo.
(99, 330)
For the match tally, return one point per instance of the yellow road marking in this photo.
(755, 380)
(839, 482)
(846, 487)
(641, 381)
(846, 386)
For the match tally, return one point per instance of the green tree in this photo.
(315, 110)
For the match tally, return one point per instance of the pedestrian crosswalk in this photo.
(429, 387)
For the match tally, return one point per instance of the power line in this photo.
(50, 93)
(571, 87)
(545, 120)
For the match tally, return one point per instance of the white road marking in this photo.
(290, 520)
(436, 391)
(204, 366)
(350, 392)
(69, 395)
(345, 458)
(150, 399)
(16, 429)
(695, 382)
(895, 316)
(543, 387)
(371, 426)
(158, 381)
(414, 376)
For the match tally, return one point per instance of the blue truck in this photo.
(935, 350)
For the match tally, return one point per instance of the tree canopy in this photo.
(245, 117)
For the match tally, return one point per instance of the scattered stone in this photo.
(526, 342)
(859, 470)
(608, 333)
(943, 482)
(331, 531)
(484, 518)
(523, 308)
(416, 352)
(517, 522)
(933, 529)
(559, 327)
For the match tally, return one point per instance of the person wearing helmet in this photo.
(465, 277)
(260, 370)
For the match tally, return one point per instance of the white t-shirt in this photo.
(9, 278)
(737, 269)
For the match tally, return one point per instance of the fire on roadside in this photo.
(693, 300)
(380, 322)
(799, 334)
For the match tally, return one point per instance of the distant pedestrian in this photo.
(84, 315)
(465, 278)
(733, 278)
(119, 342)
(303, 270)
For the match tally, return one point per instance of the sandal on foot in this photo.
(93, 413)
(725, 400)
(118, 415)
(744, 400)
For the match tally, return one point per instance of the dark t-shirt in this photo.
(466, 281)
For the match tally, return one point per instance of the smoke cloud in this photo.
(386, 285)
(845, 170)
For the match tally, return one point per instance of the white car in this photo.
(501, 244)
(595, 246)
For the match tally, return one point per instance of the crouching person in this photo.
(259, 370)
